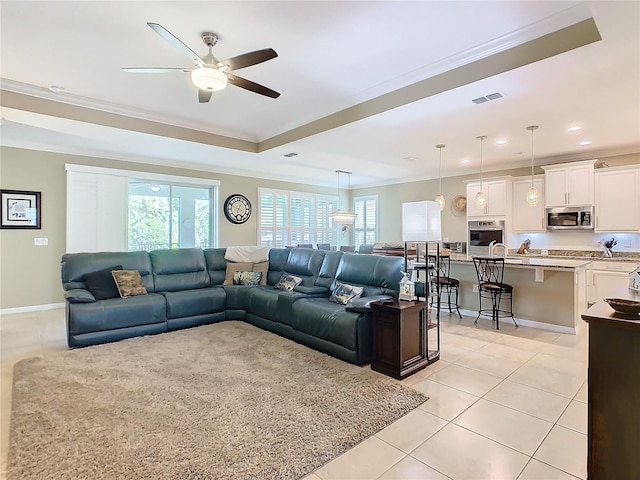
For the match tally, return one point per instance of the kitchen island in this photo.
(548, 293)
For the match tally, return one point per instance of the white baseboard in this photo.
(525, 323)
(32, 308)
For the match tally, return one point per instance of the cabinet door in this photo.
(556, 187)
(472, 190)
(605, 282)
(525, 217)
(617, 201)
(496, 197)
(580, 185)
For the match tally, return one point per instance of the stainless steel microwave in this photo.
(570, 218)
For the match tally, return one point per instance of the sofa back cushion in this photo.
(305, 263)
(216, 264)
(74, 266)
(378, 274)
(277, 262)
(179, 269)
(328, 269)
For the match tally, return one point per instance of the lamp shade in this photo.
(421, 222)
(208, 78)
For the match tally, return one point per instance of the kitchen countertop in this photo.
(529, 261)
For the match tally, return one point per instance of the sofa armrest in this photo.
(79, 295)
(313, 290)
(363, 304)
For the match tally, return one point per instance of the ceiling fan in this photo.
(209, 74)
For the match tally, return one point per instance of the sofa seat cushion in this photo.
(200, 301)
(116, 313)
(327, 320)
(263, 302)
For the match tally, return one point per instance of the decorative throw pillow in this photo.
(101, 283)
(288, 282)
(129, 283)
(246, 278)
(345, 293)
(236, 267)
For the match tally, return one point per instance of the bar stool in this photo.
(444, 282)
(490, 272)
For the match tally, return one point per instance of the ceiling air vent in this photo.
(486, 98)
(290, 154)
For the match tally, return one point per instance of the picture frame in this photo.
(21, 209)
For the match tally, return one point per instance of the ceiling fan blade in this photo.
(204, 95)
(156, 70)
(176, 43)
(251, 58)
(252, 86)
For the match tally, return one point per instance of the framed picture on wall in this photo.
(20, 209)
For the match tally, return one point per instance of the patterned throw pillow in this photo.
(345, 293)
(129, 283)
(247, 278)
(288, 282)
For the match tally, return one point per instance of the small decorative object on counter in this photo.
(634, 280)
(607, 246)
(407, 288)
(524, 248)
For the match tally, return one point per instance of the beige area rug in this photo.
(222, 401)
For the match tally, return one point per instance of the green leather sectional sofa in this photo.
(185, 289)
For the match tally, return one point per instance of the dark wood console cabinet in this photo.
(614, 391)
(402, 344)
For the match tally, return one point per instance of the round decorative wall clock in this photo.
(237, 208)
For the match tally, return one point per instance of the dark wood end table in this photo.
(400, 338)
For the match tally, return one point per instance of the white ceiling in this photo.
(332, 56)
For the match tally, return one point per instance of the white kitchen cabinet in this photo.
(606, 276)
(498, 193)
(527, 219)
(617, 201)
(569, 184)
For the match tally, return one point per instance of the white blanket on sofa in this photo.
(247, 254)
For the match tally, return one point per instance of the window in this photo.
(366, 225)
(292, 218)
(116, 210)
(168, 216)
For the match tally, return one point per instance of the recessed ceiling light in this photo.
(575, 128)
(56, 88)
(410, 159)
(464, 161)
(586, 142)
(501, 142)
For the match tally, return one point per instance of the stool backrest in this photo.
(489, 269)
(444, 266)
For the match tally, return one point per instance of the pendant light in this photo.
(481, 198)
(343, 217)
(440, 198)
(532, 193)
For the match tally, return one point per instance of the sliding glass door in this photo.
(168, 216)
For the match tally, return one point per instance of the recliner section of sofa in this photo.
(185, 289)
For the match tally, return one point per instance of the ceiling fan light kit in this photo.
(209, 78)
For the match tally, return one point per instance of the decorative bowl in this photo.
(620, 305)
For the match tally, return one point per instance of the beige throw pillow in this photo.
(236, 267)
(261, 267)
(129, 283)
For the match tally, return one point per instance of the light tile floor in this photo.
(508, 404)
